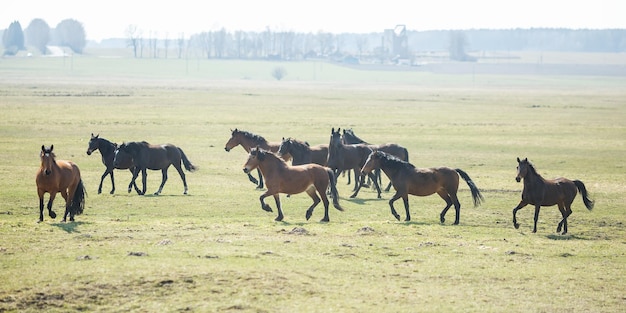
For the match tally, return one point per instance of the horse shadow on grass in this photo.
(565, 237)
(70, 227)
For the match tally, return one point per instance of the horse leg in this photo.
(264, 205)
(373, 177)
(393, 210)
(106, 172)
(144, 178)
(517, 208)
(446, 197)
(565, 212)
(358, 182)
(280, 210)
(388, 187)
(67, 205)
(182, 176)
(112, 183)
(260, 186)
(49, 206)
(537, 207)
(311, 192)
(133, 183)
(405, 200)
(163, 180)
(41, 193)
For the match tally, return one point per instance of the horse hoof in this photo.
(442, 220)
(516, 226)
(99, 191)
(267, 208)
(52, 214)
(308, 215)
(325, 220)
(397, 217)
(408, 219)
(39, 221)
(279, 219)
(112, 192)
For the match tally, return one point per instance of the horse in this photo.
(60, 176)
(407, 179)
(396, 150)
(349, 157)
(248, 140)
(302, 153)
(154, 157)
(281, 177)
(107, 151)
(548, 192)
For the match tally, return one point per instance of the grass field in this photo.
(216, 250)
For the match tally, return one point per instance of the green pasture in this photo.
(215, 250)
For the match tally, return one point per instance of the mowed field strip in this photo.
(216, 250)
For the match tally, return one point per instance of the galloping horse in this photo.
(302, 153)
(407, 179)
(248, 141)
(283, 178)
(396, 150)
(107, 151)
(548, 192)
(155, 157)
(60, 176)
(349, 157)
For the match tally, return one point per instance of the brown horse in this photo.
(283, 178)
(155, 157)
(59, 176)
(548, 192)
(396, 150)
(302, 153)
(248, 141)
(107, 151)
(407, 179)
(343, 157)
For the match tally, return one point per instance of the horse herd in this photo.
(313, 169)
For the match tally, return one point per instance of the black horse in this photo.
(396, 150)
(349, 157)
(107, 151)
(302, 153)
(155, 157)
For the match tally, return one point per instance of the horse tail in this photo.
(476, 195)
(190, 167)
(78, 201)
(583, 191)
(406, 154)
(333, 189)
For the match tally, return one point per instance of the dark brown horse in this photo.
(302, 153)
(396, 150)
(107, 151)
(281, 177)
(155, 157)
(60, 176)
(548, 192)
(349, 157)
(409, 180)
(248, 140)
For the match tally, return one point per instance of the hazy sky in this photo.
(110, 18)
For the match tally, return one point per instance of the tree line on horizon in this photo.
(290, 45)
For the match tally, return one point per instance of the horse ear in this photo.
(332, 131)
(525, 159)
(43, 148)
(518, 160)
(339, 129)
(51, 147)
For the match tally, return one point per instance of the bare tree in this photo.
(132, 36)
(181, 44)
(279, 72)
(166, 44)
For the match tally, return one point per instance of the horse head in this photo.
(93, 144)
(255, 157)
(234, 140)
(285, 146)
(372, 162)
(522, 169)
(47, 159)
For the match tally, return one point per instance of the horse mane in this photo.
(393, 162)
(350, 133)
(299, 144)
(531, 168)
(254, 137)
